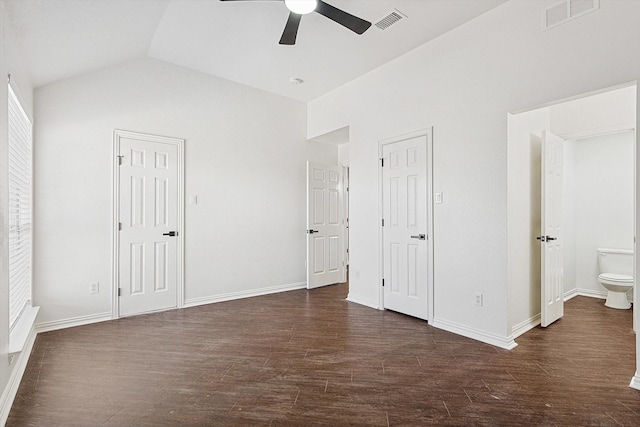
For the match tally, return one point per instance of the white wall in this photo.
(524, 152)
(10, 63)
(245, 156)
(604, 178)
(343, 154)
(597, 114)
(464, 83)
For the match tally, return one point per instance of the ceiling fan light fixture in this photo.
(301, 7)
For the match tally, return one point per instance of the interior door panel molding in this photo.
(158, 161)
(395, 160)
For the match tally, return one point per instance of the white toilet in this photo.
(616, 274)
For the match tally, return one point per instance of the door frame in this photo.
(115, 240)
(428, 133)
(345, 221)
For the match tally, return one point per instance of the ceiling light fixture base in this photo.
(301, 7)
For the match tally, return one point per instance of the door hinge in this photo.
(383, 283)
(119, 291)
(119, 160)
(119, 226)
(383, 222)
(382, 162)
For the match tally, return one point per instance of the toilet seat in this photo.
(615, 278)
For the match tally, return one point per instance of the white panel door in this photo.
(325, 260)
(148, 216)
(552, 274)
(404, 232)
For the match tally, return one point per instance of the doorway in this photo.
(148, 212)
(595, 114)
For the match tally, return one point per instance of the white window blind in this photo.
(20, 145)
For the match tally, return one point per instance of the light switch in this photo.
(438, 197)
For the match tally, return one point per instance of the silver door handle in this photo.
(419, 237)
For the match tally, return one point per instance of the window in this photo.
(21, 315)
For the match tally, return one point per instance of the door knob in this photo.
(419, 237)
(171, 233)
(312, 231)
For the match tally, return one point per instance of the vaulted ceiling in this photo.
(235, 40)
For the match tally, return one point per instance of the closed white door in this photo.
(552, 274)
(404, 231)
(148, 223)
(325, 260)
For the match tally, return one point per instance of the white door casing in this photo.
(148, 210)
(345, 219)
(552, 262)
(406, 252)
(325, 260)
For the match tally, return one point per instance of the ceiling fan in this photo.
(297, 8)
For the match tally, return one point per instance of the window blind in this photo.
(20, 161)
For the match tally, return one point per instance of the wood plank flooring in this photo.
(311, 358)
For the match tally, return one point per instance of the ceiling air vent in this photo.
(390, 19)
(566, 10)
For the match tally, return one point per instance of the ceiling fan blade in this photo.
(355, 24)
(291, 29)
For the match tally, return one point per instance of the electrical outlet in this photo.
(94, 287)
(478, 300)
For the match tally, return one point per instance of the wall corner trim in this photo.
(363, 301)
(486, 337)
(635, 381)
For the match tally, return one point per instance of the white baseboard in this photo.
(73, 321)
(486, 337)
(20, 360)
(584, 293)
(635, 381)
(363, 301)
(193, 302)
(525, 326)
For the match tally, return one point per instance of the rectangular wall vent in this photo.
(566, 10)
(390, 19)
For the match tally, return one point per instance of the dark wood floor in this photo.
(310, 357)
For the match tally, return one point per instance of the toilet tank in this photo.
(617, 261)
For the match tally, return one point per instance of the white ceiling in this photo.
(235, 40)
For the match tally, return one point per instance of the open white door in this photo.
(405, 227)
(552, 263)
(325, 261)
